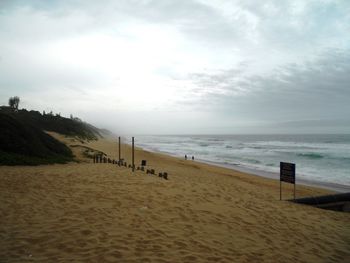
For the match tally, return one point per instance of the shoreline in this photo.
(265, 174)
(202, 213)
(275, 176)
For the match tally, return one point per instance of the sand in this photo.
(85, 212)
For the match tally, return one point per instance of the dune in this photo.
(86, 212)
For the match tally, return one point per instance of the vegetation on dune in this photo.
(59, 124)
(23, 140)
(89, 152)
(14, 102)
(25, 144)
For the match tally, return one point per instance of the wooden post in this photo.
(119, 147)
(133, 155)
(280, 190)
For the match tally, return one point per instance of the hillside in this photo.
(55, 123)
(23, 140)
(24, 144)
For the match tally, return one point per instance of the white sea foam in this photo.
(324, 158)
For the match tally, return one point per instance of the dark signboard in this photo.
(287, 172)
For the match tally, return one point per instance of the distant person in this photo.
(185, 156)
(192, 158)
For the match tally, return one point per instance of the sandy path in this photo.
(103, 213)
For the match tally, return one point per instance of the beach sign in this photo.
(287, 174)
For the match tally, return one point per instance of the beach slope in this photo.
(85, 212)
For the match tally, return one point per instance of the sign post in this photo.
(119, 147)
(133, 155)
(287, 174)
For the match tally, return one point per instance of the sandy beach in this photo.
(86, 212)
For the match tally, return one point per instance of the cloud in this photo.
(217, 60)
(317, 89)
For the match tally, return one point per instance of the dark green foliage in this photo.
(89, 152)
(24, 142)
(56, 123)
(21, 143)
(19, 159)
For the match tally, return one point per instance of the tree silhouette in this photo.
(14, 102)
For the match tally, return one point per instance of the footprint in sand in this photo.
(180, 244)
(214, 259)
(85, 232)
(190, 258)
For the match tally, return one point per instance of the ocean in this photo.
(318, 157)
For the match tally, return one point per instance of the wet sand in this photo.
(85, 212)
(334, 187)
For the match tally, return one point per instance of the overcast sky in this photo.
(181, 66)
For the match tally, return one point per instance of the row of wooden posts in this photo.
(99, 158)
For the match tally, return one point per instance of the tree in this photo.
(14, 102)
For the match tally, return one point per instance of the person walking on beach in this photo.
(192, 158)
(185, 156)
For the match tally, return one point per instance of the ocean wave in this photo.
(316, 159)
(257, 147)
(231, 163)
(252, 161)
(215, 140)
(311, 155)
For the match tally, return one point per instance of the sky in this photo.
(181, 66)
